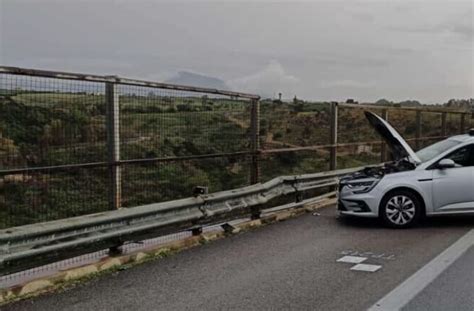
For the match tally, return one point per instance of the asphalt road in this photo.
(289, 265)
(453, 290)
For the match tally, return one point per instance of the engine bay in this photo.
(381, 170)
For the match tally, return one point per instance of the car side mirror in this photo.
(446, 163)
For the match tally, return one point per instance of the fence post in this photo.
(470, 117)
(113, 143)
(333, 152)
(463, 123)
(418, 130)
(255, 141)
(444, 132)
(383, 149)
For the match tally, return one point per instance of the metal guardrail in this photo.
(38, 244)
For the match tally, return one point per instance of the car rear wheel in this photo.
(400, 209)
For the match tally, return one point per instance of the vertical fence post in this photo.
(255, 141)
(470, 117)
(113, 143)
(463, 123)
(444, 132)
(333, 152)
(255, 149)
(383, 149)
(418, 130)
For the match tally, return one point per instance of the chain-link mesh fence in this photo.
(68, 147)
(47, 127)
(57, 133)
(296, 137)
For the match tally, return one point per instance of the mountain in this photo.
(194, 79)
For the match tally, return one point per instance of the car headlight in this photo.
(362, 186)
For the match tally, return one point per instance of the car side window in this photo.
(463, 156)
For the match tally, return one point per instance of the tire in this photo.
(400, 209)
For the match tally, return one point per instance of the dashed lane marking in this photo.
(366, 267)
(368, 254)
(352, 259)
(357, 263)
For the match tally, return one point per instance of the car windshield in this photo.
(436, 149)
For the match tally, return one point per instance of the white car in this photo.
(436, 180)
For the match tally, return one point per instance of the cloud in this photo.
(461, 25)
(268, 82)
(321, 49)
(347, 84)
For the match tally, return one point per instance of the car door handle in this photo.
(425, 179)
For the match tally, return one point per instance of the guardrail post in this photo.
(333, 142)
(383, 149)
(444, 132)
(418, 130)
(463, 123)
(113, 143)
(255, 141)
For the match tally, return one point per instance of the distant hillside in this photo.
(467, 104)
(194, 79)
(406, 103)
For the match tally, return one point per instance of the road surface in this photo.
(289, 265)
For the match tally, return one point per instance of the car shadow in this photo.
(360, 222)
(448, 221)
(451, 221)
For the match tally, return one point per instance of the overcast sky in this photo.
(320, 50)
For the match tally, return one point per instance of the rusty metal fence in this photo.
(74, 144)
(305, 137)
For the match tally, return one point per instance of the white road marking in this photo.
(366, 267)
(411, 287)
(352, 259)
(368, 254)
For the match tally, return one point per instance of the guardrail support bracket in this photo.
(228, 228)
(116, 250)
(255, 213)
(196, 231)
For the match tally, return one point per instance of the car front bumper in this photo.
(361, 205)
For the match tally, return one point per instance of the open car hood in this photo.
(399, 147)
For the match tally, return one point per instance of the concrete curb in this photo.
(73, 276)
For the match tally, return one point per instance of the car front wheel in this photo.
(400, 209)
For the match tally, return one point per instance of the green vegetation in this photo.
(39, 129)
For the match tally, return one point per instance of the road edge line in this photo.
(411, 287)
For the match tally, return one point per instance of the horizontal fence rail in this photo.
(118, 80)
(407, 108)
(32, 245)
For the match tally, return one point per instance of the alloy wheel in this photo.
(400, 210)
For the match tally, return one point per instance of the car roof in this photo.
(462, 138)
